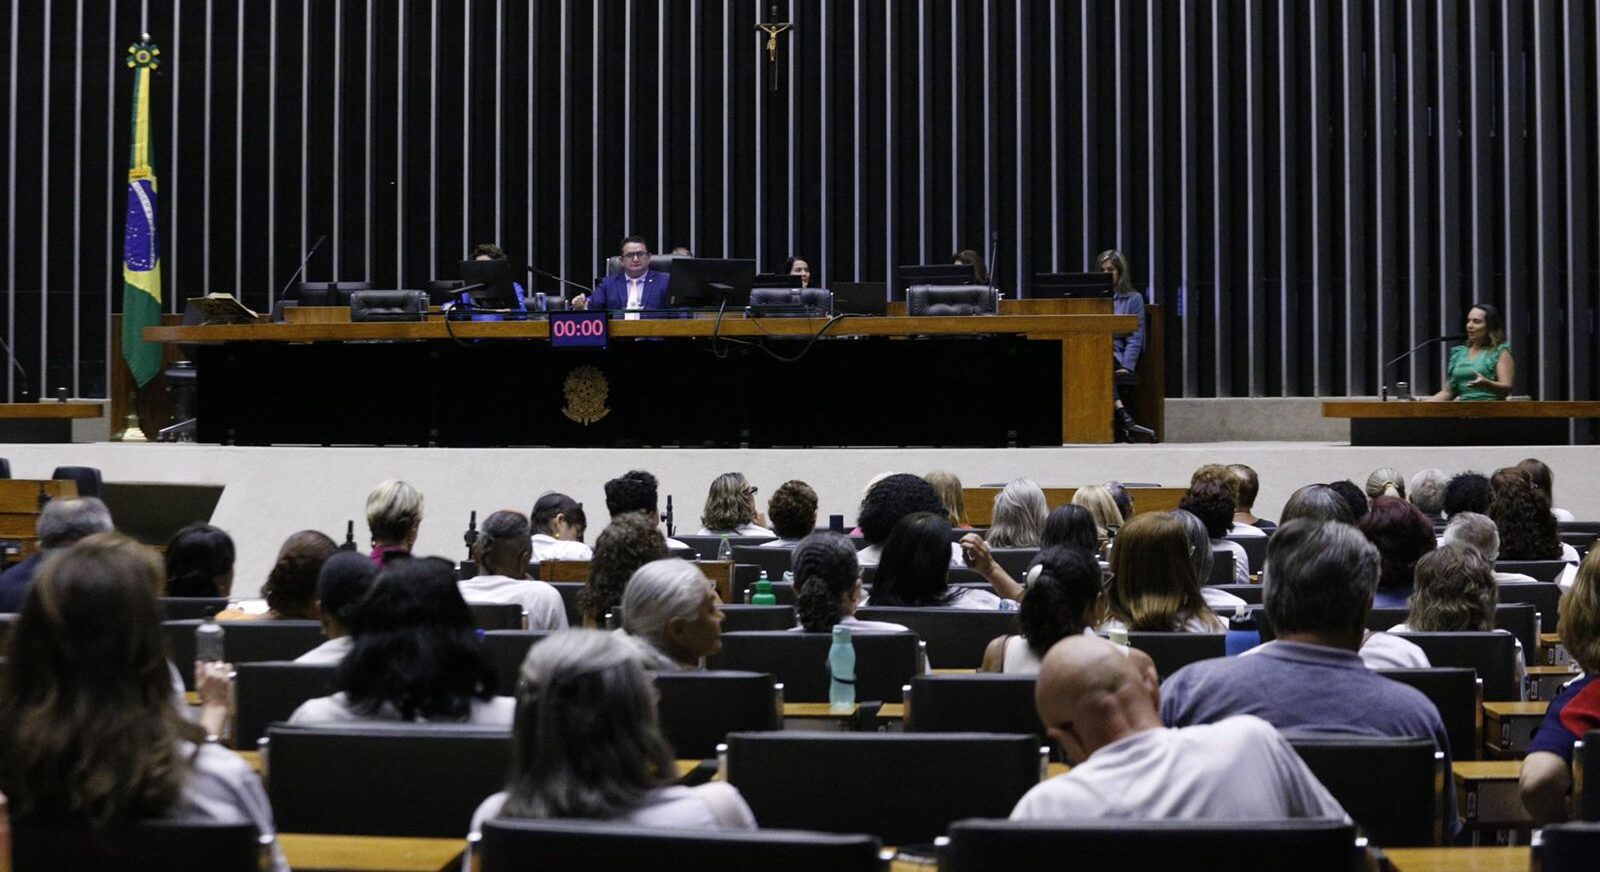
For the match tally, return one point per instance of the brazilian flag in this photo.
(141, 256)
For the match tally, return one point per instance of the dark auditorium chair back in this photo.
(736, 618)
(1586, 777)
(1250, 593)
(956, 637)
(147, 846)
(499, 616)
(1255, 549)
(775, 561)
(1492, 654)
(905, 789)
(936, 300)
(388, 306)
(265, 693)
(5, 468)
(1221, 567)
(1381, 618)
(1239, 846)
(383, 780)
(1538, 570)
(984, 702)
(1545, 596)
(1392, 788)
(87, 478)
(706, 546)
(1568, 847)
(812, 299)
(885, 662)
(658, 262)
(506, 650)
(191, 608)
(1520, 620)
(699, 709)
(569, 599)
(243, 642)
(1458, 695)
(329, 293)
(1173, 651)
(1015, 561)
(512, 845)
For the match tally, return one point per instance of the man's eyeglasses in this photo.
(635, 255)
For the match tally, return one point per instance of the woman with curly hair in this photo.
(1212, 502)
(1455, 593)
(1153, 587)
(827, 585)
(730, 509)
(793, 510)
(1528, 530)
(89, 735)
(290, 590)
(1402, 534)
(631, 541)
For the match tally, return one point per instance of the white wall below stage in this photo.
(272, 492)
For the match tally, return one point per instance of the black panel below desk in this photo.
(1460, 431)
(984, 391)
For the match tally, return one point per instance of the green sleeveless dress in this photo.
(1462, 370)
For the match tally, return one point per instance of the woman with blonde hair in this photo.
(730, 509)
(1098, 500)
(394, 515)
(1019, 514)
(1153, 587)
(1547, 770)
(948, 487)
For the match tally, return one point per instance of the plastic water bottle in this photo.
(1119, 636)
(841, 670)
(725, 551)
(208, 642)
(764, 595)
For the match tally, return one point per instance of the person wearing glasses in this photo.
(636, 287)
(731, 509)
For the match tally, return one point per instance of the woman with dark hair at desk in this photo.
(1483, 369)
(798, 266)
(490, 251)
(972, 259)
(1125, 347)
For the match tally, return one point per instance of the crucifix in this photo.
(772, 29)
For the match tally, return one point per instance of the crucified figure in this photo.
(772, 29)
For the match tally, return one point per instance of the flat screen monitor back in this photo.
(1056, 286)
(699, 282)
(489, 283)
(931, 274)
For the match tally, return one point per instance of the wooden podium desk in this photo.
(1507, 422)
(49, 421)
(976, 380)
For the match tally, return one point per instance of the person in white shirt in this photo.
(341, 585)
(416, 656)
(587, 745)
(730, 509)
(793, 512)
(913, 571)
(502, 553)
(827, 584)
(1103, 710)
(88, 734)
(1063, 596)
(672, 611)
(558, 526)
(1456, 592)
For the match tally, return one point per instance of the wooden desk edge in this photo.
(327, 853)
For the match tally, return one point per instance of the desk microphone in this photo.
(1383, 374)
(23, 396)
(994, 252)
(349, 536)
(667, 518)
(297, 273)
(562, 279)
(471, 536)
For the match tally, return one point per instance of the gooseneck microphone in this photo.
(1383, 375)
(562, 279)
(307, 259)
(23, 395)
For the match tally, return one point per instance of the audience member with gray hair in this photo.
(1202, 557)
(394, 514)
(1312, 676)
(502, 551)
(1426, 492)
(1479, 533)
(61, 523)
(672, 610)
(586, 744)
(1316, 502)
(1019, 513)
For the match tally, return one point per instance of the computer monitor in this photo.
(1056, 286)
(489, 284)
(931, 274)
(699, 282)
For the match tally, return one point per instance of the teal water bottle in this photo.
(842, 669)
(764, 595)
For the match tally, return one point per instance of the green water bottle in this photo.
(763, 595)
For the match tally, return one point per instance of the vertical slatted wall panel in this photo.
(1309, 186)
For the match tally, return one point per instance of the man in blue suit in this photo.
(636, 287)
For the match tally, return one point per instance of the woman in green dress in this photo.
(1483, 369)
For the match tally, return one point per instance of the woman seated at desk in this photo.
(1483, 369)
